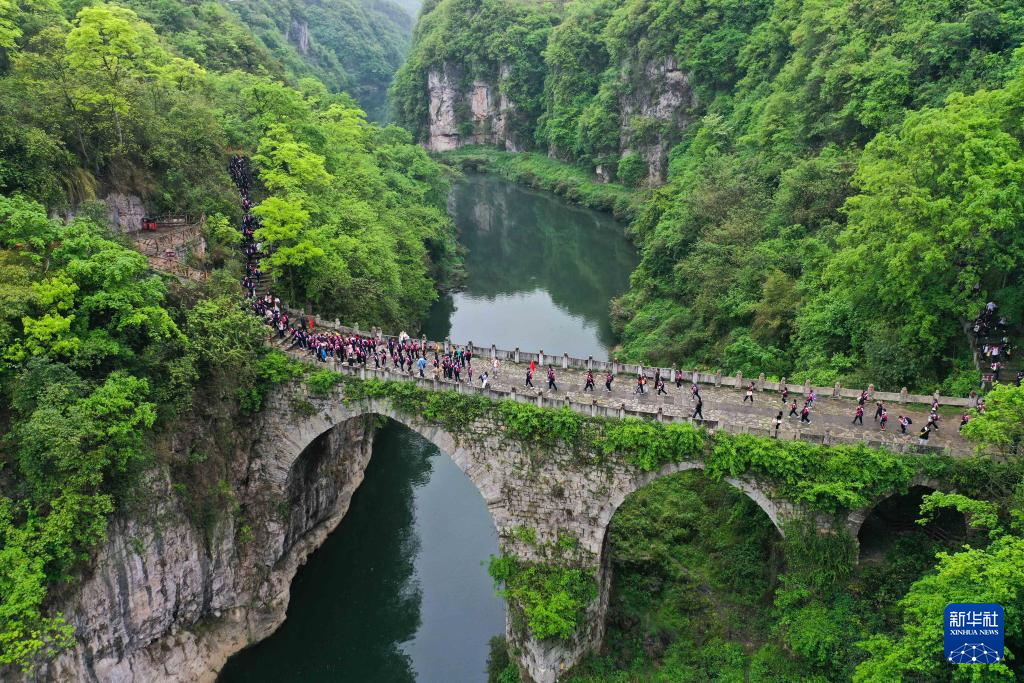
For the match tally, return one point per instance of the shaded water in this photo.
(540, 272)
(399, 591)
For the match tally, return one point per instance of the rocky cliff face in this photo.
(298, 34)
(167, 601)
(656, 105)
(470, 113)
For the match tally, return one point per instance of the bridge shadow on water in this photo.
(397, 592)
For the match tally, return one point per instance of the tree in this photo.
(992, 574)
(1001, 426)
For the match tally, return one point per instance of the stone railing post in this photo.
(639, 369)
(469, 347)
(362, 372)
(434, 384)
(871, 391)
(837, 392)
(622, 410)
(661, 414)
(739, 379)
(593, 407)
(494, 351)
(540, 358)
(447, 345)
(672, 375)
(760, 382)
(807, 387)
(565, 361)
(590, 362)
(458, 388)
(827, 439)
(337, 323)
(540, 400)
(423, 345)
(516, 352)
(355, 326)
(718, 378)
(782, 383)
(512, 395)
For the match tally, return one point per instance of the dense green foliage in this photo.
(705, 589)
(551, 598)
(98, 102)
(94, 356)
(842, 187)
(354, 213)
(353, 46)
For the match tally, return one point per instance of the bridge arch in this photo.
(779, 512)
(290, 439)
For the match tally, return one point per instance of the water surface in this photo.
(540, 272)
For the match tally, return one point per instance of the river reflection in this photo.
(397, 593)
(540, 272)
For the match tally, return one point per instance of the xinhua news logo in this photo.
(974, 633)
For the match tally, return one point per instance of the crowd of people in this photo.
(991, 336)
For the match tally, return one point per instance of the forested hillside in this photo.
(99, 355)
(837, 183)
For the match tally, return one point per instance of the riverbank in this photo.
(540, 172)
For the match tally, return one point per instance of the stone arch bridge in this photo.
(551, 494)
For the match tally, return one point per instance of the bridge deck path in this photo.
(726, 405)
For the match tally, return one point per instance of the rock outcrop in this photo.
(468, 114)
(656, 105)
(166, 600)
(126, 211)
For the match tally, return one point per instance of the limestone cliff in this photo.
(656, 106)
(465, 112)
(168, 600)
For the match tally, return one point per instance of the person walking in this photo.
(858, 416)
(694, 392)
(792, 409)
(551, 379)
(883, 419)
(589, 386)
(699, 410)
(879, 409)
(495, 366)
(660, 386)
(964, 419)
(422, 365)
(922, 437)
(608, 379)
(750, 393)
(529, 378)
(785, 394)
(805, 414)
(777, 423)
(904, 422)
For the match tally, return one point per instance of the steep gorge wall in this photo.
(165, 600)
(656, 105)
(467, 113)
